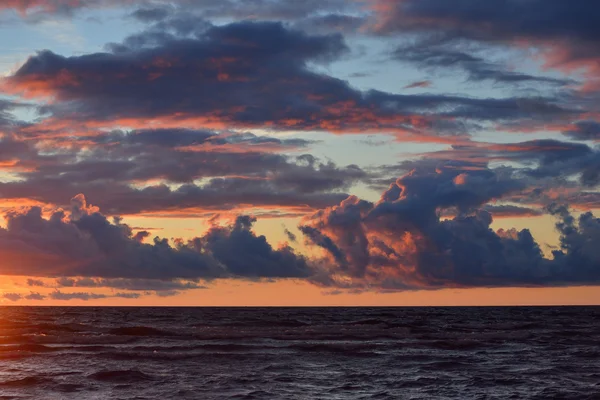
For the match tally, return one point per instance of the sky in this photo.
(282, 152)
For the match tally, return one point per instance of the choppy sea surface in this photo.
(300, 353)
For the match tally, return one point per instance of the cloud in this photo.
(248, 255)
(168, 170)
(545, 158)
(86, 244)
(14, 297)
(579, 254)
(51, 6)
(418, 84)
(290, 235)
(505, 20)
(217, 195)
(510, 211)
(236, 60)
(401, 243)
(153, 14)
(35, 282)
(332, 23)
(253, 74)
(568, 35)
(8, 121)
(159, 9)
(501, 211)
(127, 284)
(447, 57)
(58, 295)
(584, 130)
(85, 296)
(35, 296)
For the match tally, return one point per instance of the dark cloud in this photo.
(492, 21)
(332, 23)
(271, 9)
(153, 14)
(568, 33)
(584, 130)
(545, 158)
(5, 116)
(85, 244)
(58, 295)
(252, 75)
(290, 235)
(165, 293)
(579, 254)
(34, 296)
(14, 297)
(245, 254)
(449, 58)
(131, 285)
(400, 242)
(125, 295)
(219, 194)
(500, 211)
(186, 138)
(236, 169)
(85, 296)
(152, 10)
(233, 63)
(128, 284)
(560, 159)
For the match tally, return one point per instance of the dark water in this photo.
(307, 353)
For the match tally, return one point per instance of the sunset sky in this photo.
(283, 152)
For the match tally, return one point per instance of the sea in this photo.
(300, 353)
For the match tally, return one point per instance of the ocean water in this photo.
(300, 353)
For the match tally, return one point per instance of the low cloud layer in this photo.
(402, 243)
(64, 296)
(431, 229)
(84, 243)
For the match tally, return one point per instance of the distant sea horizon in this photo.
(299, 306)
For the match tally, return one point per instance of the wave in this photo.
(365, 349)
(121, 376)
(458, 344)
(28, 347)
(255, 323)
(26, 382)
(139, 331)
(218, 347)
(366, 322)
